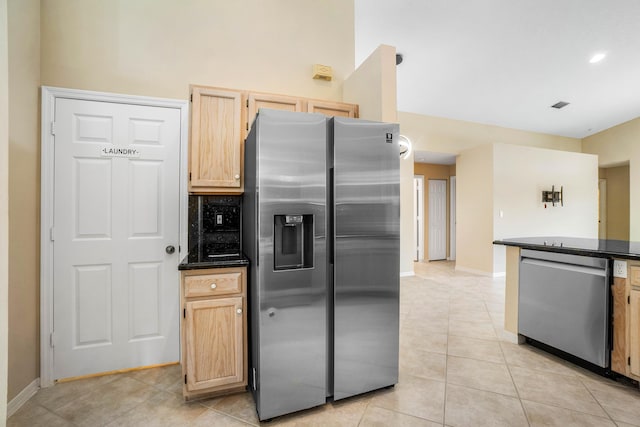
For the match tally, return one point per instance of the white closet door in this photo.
(116, 212)
(437, 219)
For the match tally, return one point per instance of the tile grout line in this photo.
(47, 410)
(366, 408)
(446, 364)
(515, 386)
(453, 294)
(558, 406)
(596, 399)
(218, 411)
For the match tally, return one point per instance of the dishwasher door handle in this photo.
(567, 267)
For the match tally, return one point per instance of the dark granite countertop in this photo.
(198, 260)
(577, 246)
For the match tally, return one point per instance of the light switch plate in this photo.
(619, 268)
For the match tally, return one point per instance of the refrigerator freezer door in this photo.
(290, 303)
(367, 256)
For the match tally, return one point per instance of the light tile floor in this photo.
(455, 370)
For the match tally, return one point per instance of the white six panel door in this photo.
(116, 209)
(437, 219)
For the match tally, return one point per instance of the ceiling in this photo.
(505, 62)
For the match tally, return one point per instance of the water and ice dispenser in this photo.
(293, 242)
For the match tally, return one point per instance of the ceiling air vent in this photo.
(560, 104)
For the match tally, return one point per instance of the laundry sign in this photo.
(130, 153)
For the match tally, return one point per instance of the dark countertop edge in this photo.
(570, 251)
(241, 262)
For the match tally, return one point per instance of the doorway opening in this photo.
(418, 203)
(602, 209)
(452, 218)
(613, 202)
(437, 228)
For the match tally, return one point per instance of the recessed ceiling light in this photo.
(597, 57)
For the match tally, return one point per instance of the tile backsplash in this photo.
(215, 225)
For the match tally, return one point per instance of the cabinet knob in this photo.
(237, 176)
(239, 311)
(213, 286)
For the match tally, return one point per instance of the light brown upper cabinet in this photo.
(332, 109)
(274, 102)
(220, 121)
(216, 149)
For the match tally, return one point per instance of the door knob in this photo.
(237, 176)
(170, 249)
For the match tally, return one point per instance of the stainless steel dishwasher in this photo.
(563, 302)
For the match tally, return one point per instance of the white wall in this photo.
(520, 175)
(615, 146)
(373, 87)
(4, 206)
(510, 178)
(155, 48)
(474, 210)
(443, 135)
(407, 225)
(475, 221)
(158, 48)
(24, 198)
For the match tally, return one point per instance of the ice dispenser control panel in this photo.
(293, 242)
(292, 220)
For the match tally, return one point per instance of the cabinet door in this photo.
(619, 350)
(332, 109)
(216, 141)
(275, 102)
(214, 332)
(634, 330)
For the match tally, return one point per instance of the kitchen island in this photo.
(588, 289)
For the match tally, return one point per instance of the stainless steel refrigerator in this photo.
(321, 227)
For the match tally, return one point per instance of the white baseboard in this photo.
(473, 271)
(480, 272)
(22, 397)
(407, 273)
(512, 338)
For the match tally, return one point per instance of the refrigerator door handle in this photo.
(330, 219)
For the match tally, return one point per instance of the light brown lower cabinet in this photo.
(634, 332)
(625, 354)
(214, 331)
(619, 350)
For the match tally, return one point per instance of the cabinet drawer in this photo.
(213, 284)
(634, 275)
